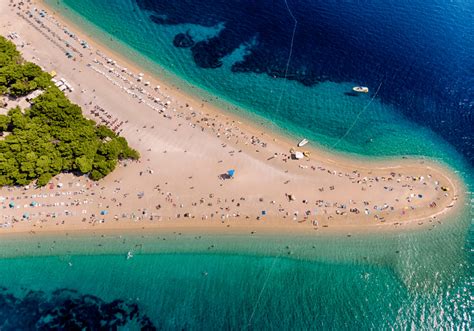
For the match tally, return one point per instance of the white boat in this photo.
(361, 89)
(302, 143)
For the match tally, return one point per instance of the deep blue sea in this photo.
(294, 63)
(420, 53)
(291, 65)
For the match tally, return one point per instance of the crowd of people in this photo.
(94, 203)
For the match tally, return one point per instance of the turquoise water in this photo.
(184, 281)
(322, 112)
(380, 281)
(307, 282)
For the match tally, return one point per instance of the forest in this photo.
(51, 136)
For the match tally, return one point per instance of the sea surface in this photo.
(290, 65)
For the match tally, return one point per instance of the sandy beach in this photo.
(187, 146)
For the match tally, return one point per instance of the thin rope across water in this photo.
(262, 290)
(277, 108)
(285, 82)
(357, 117)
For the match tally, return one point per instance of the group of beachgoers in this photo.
(93, 203)
(107, 119)
(83, 198)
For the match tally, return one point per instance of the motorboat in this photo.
(302, 142)
(360, 89)
(129, 255)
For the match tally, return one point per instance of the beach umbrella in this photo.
(11, 204)
(33, 203)
(104, 212)
(26, 215)
(231, 172)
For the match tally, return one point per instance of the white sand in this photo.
(187, 144)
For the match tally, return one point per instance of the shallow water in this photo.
(423, 107)
(417, 64)
(215, 282)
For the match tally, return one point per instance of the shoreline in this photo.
(280, 143)
(270, 228)
(251, 121)
(330, 156)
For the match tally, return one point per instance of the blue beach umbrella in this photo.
(33, 203)
(231, 172)
(11, 204)
(26, 215)
(104, 212)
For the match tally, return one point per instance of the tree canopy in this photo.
(52, 136)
